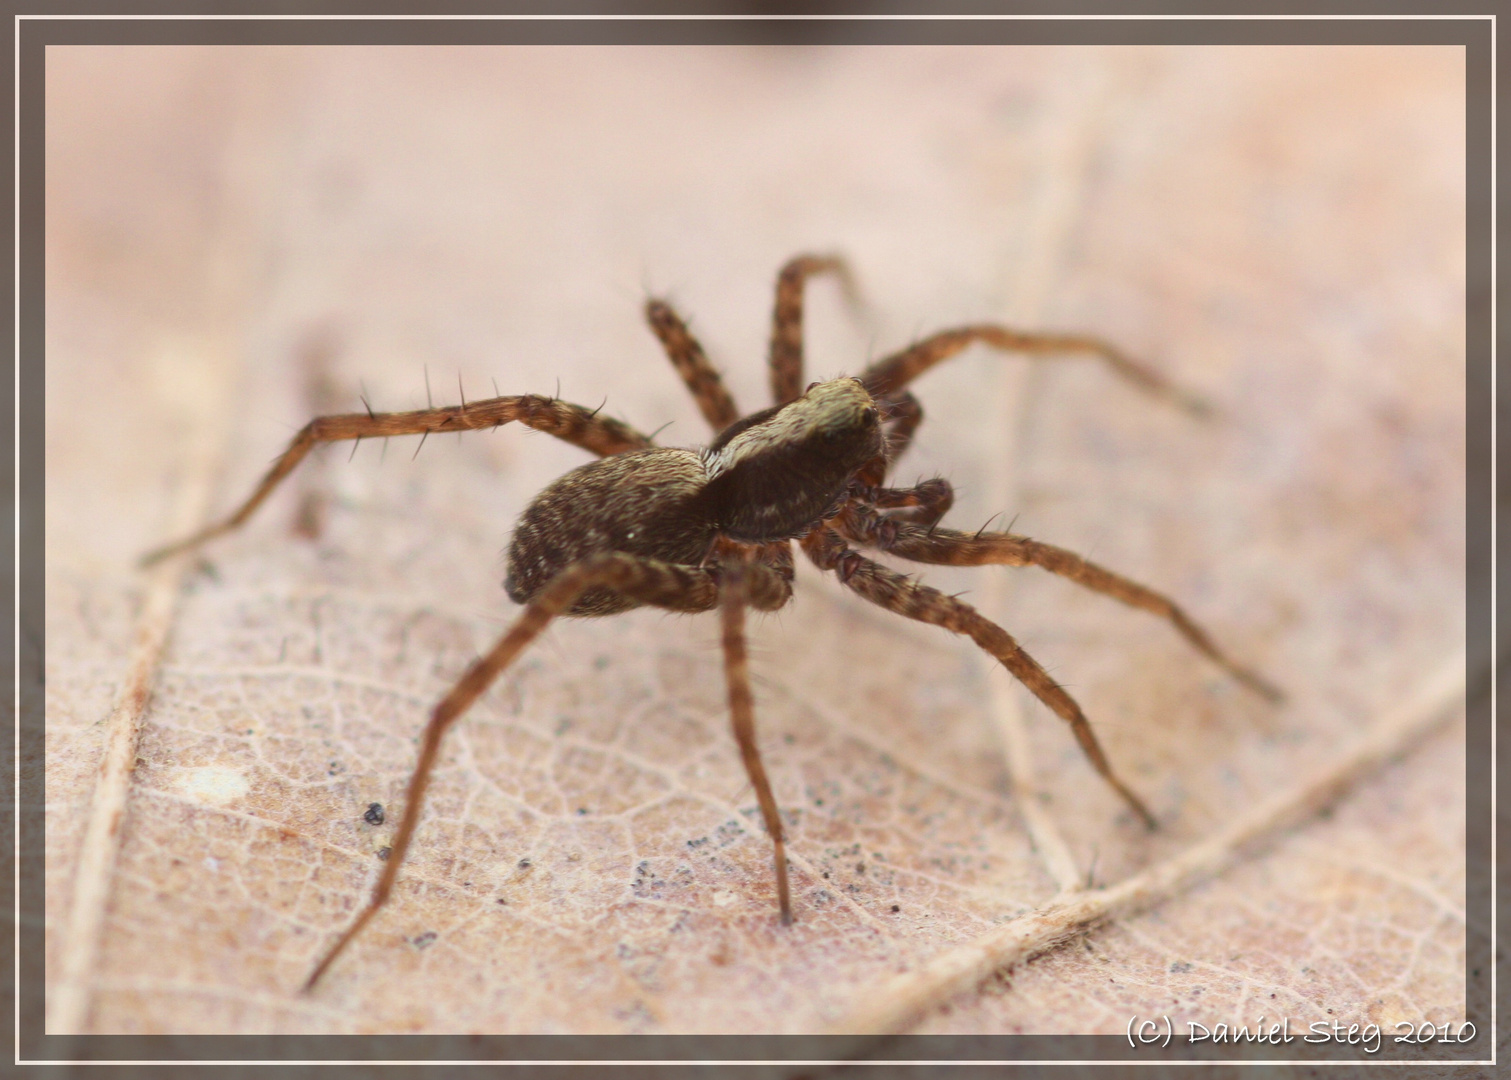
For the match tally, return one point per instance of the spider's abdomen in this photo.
(644, 502)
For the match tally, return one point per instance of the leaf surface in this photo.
(1279, 229)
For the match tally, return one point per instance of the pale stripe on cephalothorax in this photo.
(835, 405)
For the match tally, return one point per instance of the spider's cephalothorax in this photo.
(694, 530)
(779, 472)
(771, 476)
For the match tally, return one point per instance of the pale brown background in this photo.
(1281, 229)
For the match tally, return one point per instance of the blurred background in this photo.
(241, 238)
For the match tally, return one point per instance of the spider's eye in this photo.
(810, 386)
(870, 416)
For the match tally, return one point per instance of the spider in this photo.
(695, 530)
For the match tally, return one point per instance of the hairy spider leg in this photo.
(889, 375)
(582, 427)
(947, 547)
(733, 589)
(664, 585)
(692, 363)
(786, 358)
(914, 600)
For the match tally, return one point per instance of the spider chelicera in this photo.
(698, 529)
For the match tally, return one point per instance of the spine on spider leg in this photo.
(603, 435)
(571, 423)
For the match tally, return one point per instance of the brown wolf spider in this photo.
(697, 529)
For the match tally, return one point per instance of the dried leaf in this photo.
(1279, 229)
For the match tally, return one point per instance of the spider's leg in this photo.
(911, 599)
(903, 413)
(664, 585)
(787, 320)
(885, 377)
(921, 505)
(732, 600)
(691, 362)
(582, 427)
(948, 547)
(777, 558)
